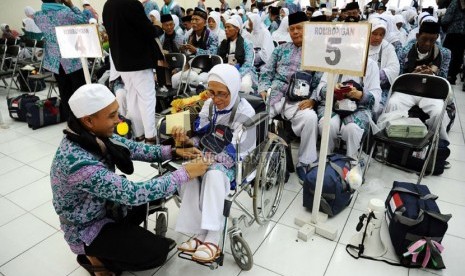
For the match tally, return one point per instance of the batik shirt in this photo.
(47, 21)
(82, 187)
(277, 72)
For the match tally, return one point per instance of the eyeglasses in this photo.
(221, 96)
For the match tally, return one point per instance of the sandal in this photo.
(190, 245)
(210, 249)
(92, 269)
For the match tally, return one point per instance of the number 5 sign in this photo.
(336, 47)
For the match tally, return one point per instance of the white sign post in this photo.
(336, 48)
(80, 41)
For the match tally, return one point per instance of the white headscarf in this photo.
(29, 11)
(392, 33)
(286, 11)
(229, 76)
(3, 27)
(155, 14)
(218, 31)
(177, 29)
(282, 33)
(260, 37)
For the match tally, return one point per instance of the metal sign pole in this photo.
(323, 147)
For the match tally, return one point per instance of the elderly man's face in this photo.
(168, 27)
(354, 13)
(103, 122)
(231, 31)
(220, 94)
(297, 33)
(198, 23)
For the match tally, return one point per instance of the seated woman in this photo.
(366, 93)
(281, 35)
(384, 54)
(93, 202)
(202, 41)
(238, 52)
(203, 198)
(31, 30)
(214, 25)
(260, 38)
(8, 33)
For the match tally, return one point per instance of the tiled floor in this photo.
(32, 244)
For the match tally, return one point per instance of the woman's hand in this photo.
(197, 167)
(306, 104)
(188, 153)
(180, 137)
(355, 94)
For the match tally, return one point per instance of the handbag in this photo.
(299, 86)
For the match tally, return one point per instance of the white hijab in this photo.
(229, 76)
(155, 14)
(392, 33)
(260, 37)
(218, 31)
(29, 11)
(282, 33)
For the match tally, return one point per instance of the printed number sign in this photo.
(79, 41)
(336, 47)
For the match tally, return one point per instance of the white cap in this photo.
(85, 2)
(93, 21)
(233, 21)
(90, 99)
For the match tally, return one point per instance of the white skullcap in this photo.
(85, 2)
(255, 10)
(399, 18)
(240, 11)
(90, 99)
(93, 21)
(233, 21)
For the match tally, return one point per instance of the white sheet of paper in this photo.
(182, 119)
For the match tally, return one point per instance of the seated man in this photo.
(201, 42)
(238, 52)
(276, 74)
(170, 40)
(423, 56)
(216, 130)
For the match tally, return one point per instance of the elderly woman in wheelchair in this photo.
(217, 127)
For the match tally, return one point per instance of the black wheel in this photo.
(241, 252)
(269, 182)
(161, 225)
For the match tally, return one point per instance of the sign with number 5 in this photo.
(336, 47)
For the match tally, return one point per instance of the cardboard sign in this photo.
(78, 41)
(336, 47)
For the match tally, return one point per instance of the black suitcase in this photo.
(43, 113)
(17, 107)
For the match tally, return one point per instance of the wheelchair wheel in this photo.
(269, 181)
(241, 252)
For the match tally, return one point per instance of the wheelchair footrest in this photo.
(212, 265)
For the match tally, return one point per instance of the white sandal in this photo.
(190, 245)
(209, 249)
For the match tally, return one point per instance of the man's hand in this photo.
(306, 104)
(190, 48)
(188, 153)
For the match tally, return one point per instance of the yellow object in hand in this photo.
(122, 128)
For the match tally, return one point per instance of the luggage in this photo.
(415, 160)
(34, 85)
(17, 107)
(337, 193)
(416, 225)
(43, 113)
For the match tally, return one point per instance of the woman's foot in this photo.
(190, 245)
(207, 252)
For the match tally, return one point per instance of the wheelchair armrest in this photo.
(255, 120)
(166, 112)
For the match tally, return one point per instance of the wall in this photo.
(12, 11)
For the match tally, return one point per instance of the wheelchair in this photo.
(261, 175)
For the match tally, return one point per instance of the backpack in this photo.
(416, 225)
(337, 193)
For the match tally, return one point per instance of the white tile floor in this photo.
(32, 244)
